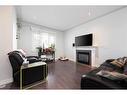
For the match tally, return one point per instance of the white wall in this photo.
(14, 28)
(59, 44)
(25, 39)
(110, 36)
(7, 32)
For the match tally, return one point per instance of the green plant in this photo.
(52, 46)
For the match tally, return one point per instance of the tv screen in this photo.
(84, 40)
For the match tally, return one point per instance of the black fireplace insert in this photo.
(83, 56)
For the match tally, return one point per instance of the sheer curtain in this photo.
(42, 38)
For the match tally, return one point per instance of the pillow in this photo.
(118, 63)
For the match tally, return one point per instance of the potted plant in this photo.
(52, 47)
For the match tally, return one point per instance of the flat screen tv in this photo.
(84, 40)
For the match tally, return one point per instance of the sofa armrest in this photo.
(93, 82)
(32, 57)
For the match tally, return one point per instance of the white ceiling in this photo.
(62, 17)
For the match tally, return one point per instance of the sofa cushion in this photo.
(93, 81)
(112, 75)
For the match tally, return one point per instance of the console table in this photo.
(47, 54)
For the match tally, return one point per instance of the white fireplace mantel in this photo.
(94, 54)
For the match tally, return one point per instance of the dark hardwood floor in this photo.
(61, 75)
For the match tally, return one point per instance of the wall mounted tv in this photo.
(84, 40)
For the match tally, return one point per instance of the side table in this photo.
(32, 74)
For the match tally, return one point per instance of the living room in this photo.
(57, 27)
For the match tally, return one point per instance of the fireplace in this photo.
(83, 56)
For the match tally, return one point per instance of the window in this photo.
(42, 39)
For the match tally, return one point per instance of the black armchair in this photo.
(30, 74)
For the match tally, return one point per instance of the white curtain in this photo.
(42, 38)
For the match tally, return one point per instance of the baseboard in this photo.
(6, 81)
